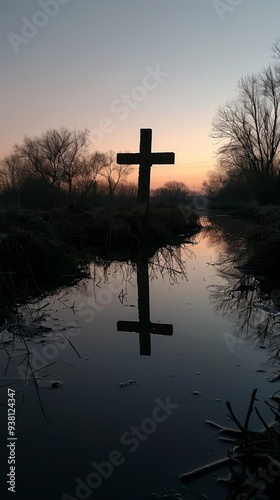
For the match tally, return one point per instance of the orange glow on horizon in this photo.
(160, 174)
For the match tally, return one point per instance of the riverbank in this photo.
(264, 237)
(61, 241)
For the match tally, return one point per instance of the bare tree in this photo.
(12, 173)
(249, 128)
(90, 167)
(112, 172)
(55, 155)
(73, 156)
(276, 49)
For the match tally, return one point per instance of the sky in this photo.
(116, 66)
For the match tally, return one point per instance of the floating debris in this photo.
(55, 384)
(125, 384)
(196, 393)
(169, 495)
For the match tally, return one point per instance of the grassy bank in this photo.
(57, 241)
(264, 238)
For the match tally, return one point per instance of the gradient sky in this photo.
(90, 64)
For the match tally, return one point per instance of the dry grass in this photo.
(60, 241)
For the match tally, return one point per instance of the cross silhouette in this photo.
(145, 159)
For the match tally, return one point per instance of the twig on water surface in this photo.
(205, 468)
(73, 347)
(249, 413)
(45, 366)
(38, 394)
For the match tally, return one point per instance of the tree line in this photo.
(58, 168)
(247, 130)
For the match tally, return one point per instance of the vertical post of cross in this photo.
(145, 167)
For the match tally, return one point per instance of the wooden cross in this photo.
(144, 326)
(145, 159)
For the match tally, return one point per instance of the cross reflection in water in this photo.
(144, 326)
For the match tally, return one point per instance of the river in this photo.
(115, 377)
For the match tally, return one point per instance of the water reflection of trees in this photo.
(244, 296)
(169, 262)
(228, 235)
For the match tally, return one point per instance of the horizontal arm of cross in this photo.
(152, 158)
(163, 158)
(137, 327)
(128, 158)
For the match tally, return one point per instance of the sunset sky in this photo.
(115, 66)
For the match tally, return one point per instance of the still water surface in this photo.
(195, 355)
